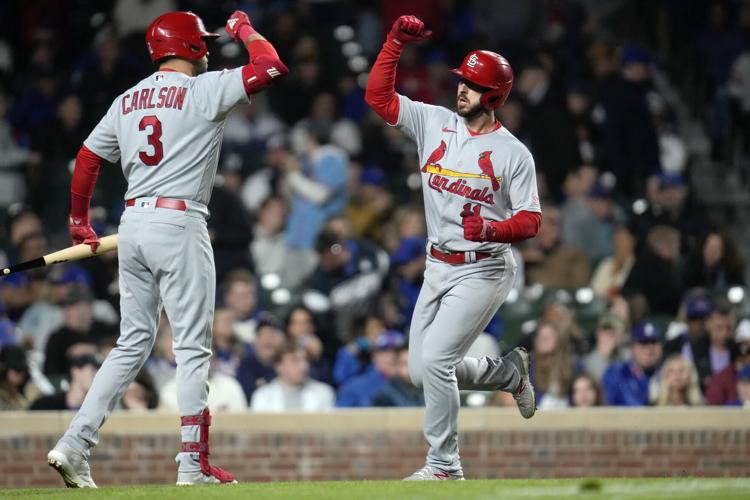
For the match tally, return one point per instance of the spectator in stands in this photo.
(608, 348)
(627, 383)
(343, 132)
(9, 332)
(585, 392)
(370, 204)
(317, 183)
(229, 351)
(743, 388)
(13, 161)
(350, 273)
(678, 385)
(553, 366)
(560, 312)
(268, 247)
(292, 389)
(21, 290)
(82, 370)
(16, 389)
(302, 329)
(695, 337)
(722, 387)
(715, 352)
(229, 229)
(612, 272)
(240, 293)
(408, 262)
(551, 262)
(80, 334)
(399, 390)
(655, 273)
(257, 369)
(141, 394)
(353, 358)
(162, 366)
(224, 393)
(550, 126)
(715, 263)
(629, 143)
(360, 390)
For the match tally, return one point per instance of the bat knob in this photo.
(6, 271)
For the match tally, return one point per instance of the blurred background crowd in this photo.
(634, 292)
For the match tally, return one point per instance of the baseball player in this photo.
(166, 131)
(480, 195)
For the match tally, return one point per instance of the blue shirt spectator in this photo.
(627, 383)
(361, 390)
(318, 187)
(257, 369)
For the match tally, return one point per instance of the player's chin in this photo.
(465, 109)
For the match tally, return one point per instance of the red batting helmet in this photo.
(177, 34)
(490, 70)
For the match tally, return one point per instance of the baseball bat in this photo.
(76, 252)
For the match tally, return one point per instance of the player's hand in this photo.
(407, 29)
(235, 22)
(82, 232)
(475, 227)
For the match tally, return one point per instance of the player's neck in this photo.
(482, 123)
(179, 65)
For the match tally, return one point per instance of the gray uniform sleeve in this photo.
(522, 191)
(103, 139)
(216, 93)
(413, 118)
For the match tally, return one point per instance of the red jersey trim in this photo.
(498, 125)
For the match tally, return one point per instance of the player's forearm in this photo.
(380, 94)
(264, 67)
(520, 227)
(85, 174)
(308, 188)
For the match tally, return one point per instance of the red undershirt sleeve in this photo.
(85, 174)
(522, 226)
(381, 85)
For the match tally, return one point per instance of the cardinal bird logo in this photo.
(436, 156)
(485, 165)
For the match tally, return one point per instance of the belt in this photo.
(458, 257)
(164, 203)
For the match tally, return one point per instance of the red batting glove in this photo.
(475, 227)
(235, 25)
(407, 29)
(82, 232)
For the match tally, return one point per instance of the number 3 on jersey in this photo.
(154, 139)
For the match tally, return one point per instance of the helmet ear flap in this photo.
(492, 99)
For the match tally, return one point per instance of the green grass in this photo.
(550, 489)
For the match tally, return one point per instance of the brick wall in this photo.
(346, 445)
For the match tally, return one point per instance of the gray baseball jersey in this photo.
(167, 132)
(496, 172)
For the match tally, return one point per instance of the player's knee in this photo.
(435, 365)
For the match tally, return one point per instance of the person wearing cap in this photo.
(693, 339)
(399, 391)
(370, 204)
(81, 372)
(16, 389)
(360, 390)
(408, 264)
(722, 387)
(354, 357)
(608, 349)
(256, 369)
(292, 389)
(79, 328)
(317, 181)
(743, 388)
(627, 383)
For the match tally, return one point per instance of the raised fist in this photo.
(475, 227)
(235, 22)
(407, 29)
(82, 232)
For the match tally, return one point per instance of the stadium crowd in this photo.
(629, 295)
